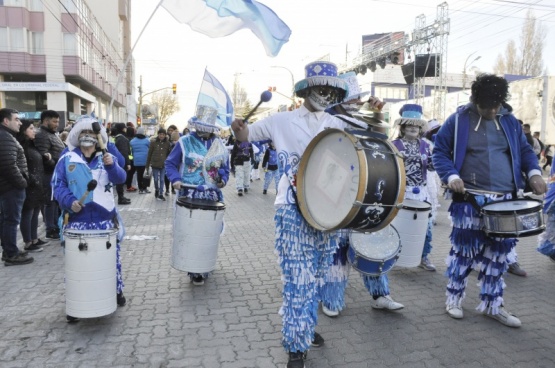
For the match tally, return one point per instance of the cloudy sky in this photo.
(169, 52)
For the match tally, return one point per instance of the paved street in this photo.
(232, 320)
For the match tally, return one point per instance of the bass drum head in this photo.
(201, 204)
(329, 179)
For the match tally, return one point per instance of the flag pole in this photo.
(201, 83)
(115, 91)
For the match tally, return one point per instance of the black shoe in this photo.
(173, 191)
(41, 242)
(296, 360)
(120, 299)
(246, 190)
(52, 234)
(156, 194)
(161, 198)
(240, 192)
(33, 248)
(20, 259)
(167, 193)
(198, 280)
(264, 191)
(318, 340)
(124, 201)
(71, 319)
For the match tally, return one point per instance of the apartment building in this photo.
(67, 56)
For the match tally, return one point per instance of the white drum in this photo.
(90, 272)
(412, 224)
(197, 227)
(374, 253)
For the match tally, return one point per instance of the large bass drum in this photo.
(348, 181)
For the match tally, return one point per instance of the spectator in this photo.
(241, 156)
(270, 165)
(13, 182)
(122, 144)
(548, 156)
(169, 132)
(140, 145)
(158, 151)
(34, 193)
(50, 146)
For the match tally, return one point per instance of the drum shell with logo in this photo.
(514, 218)
(375, 253)
(412, 224)
(348, 181)
(198, 225)
(90, 272)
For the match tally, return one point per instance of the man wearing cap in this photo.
(333, 291)
(480, 152)
(304, 252)
(417, 157)
(198, 165)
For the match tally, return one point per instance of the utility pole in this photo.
(141, 100)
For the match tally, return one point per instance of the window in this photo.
(20, 3)
(17, 39)
(36, 42)
(36, 5)
(3, 39)
(70, 44)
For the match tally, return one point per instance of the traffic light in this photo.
(138, 121)
(174, 88)
(272, 89)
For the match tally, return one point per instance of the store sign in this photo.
(29, 115)
(34, 86)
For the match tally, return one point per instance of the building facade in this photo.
(67, 56)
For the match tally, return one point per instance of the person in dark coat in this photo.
(35, 192)
(123, 146)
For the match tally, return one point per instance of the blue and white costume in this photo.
(546, 240)
(69, 183)
(503, 144)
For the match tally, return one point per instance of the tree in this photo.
(239, 97)
(528, 58)
(167, 105)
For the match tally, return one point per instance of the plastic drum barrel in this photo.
(197, 227)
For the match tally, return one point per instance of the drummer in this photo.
(417, 157)
(305, 253)
(198, 165)
(482, 149)
(76, 168)
(333, 291)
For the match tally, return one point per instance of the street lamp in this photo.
(464, 68)
(292, 80)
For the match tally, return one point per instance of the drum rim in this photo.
(213, 205)
(399, 246)
(79, 233)
(387, 261)
(417, 209)
(520, 234)
(523, 211)
(363, 164)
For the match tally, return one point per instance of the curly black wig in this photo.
(489, 90)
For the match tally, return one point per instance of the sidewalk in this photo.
(233, 321)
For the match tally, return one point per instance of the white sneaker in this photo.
(328, 312)
(385, 302)
(506, 318)
(426, 264)
(454, 311)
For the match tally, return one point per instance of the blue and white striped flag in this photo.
(220, 18)
(213, 94)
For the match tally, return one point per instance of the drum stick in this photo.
(478, 191)
(96, 129)
(90, 187)
(264, 97)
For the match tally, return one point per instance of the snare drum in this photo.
(374, 253)
(350, 182)
(514, 218)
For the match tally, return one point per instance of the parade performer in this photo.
(76, 168)
(304, 252)
(336, 279)
(417, 156)
(198, 166)
(270, 165)
(480, 152)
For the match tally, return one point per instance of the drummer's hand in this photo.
(238, 125)
(375, 103)
(456, 185)
(537, 184)
(177, 185)
(76, 206)
(107, 159)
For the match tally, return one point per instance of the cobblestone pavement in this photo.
(232, 320)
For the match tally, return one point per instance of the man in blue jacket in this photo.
(481, 153)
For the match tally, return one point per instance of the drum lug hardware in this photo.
(83, 246)
(108, 244)
(415, 216)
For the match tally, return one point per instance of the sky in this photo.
(169, 52)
